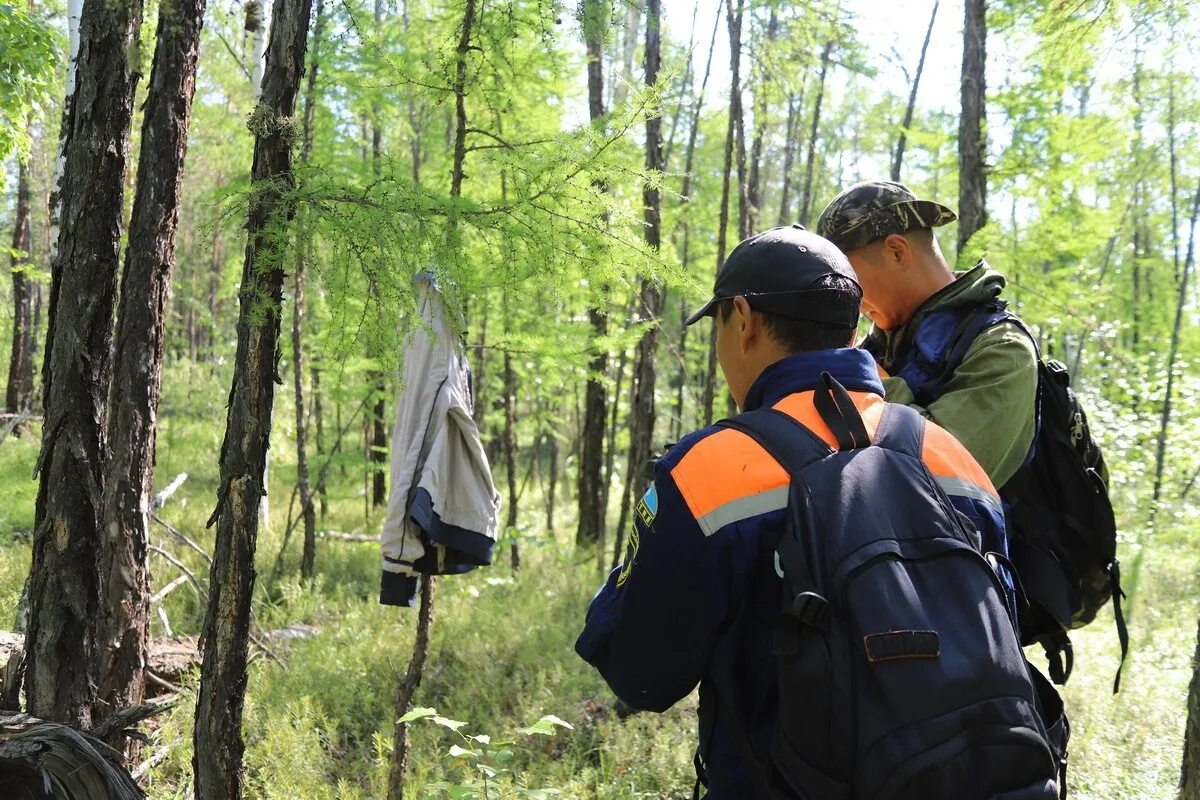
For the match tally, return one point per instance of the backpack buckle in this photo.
(812, 609)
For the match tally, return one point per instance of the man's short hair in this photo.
(798, 334)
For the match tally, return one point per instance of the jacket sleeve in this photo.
(990, 404)
(651, 628)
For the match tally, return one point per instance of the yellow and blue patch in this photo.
(647, 507)
(646, 510)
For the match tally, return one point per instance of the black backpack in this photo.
(1062, 532)
(901, 676)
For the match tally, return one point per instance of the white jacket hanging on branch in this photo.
(443, 507)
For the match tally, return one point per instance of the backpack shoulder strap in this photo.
(1020, 323)
(901, 429)
(795, 447)
(792, 444)
(786, 440)
(928, 380)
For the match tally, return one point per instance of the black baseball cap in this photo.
(786, 271)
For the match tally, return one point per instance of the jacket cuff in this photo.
(397, 590)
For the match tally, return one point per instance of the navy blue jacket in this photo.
(695, 600)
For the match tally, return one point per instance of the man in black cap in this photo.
(698, 597)
(944, 341)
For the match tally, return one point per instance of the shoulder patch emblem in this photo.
(631, 552)
(646, 510)
(647, 507)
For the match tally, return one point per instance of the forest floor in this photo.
(502, 657)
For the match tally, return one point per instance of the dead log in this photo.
(170, 658)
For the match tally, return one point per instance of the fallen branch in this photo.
(166, 590)
(347, 537)
(162, 497)
(162, 682)
(165, 620)
(204, 596)
(122, 721)
(13, 421)
(179, 565)
(156, 758)
(182, 537)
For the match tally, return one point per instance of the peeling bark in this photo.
(63, 588)
(123, 622)
(217, 762)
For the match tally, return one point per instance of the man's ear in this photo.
(745, 321)
(897, 251)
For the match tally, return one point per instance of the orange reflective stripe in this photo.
(725, 466)
(800, 407)
(947, 458)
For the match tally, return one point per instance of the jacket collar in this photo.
(849, 366)
(976, 285)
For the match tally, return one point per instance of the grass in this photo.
(501, 652)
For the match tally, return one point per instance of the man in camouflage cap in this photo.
(927, 318)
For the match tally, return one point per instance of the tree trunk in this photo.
(460, 99)
(253, 57)
(972, 141)
(737, 118)
(123, 621)
(733, 16)
(379, 433)
(308, 559)
(685, 197)
(74, 14)
(1173, 350)
(610, 453)
(216, 270)
(1174, 169)
(408, 688)
(19, 394)
(252, 45)
(795, 107)
(592, 491)
(641, 449)
(689, 78)
(633, 20)
(414, 119)
(217, 762)
(319, 422)
(1190, 779)
(510, 456)
(754, 189)
(551, 478)
(898, 159)
(416, 664)
(814, 130)
(64, 587)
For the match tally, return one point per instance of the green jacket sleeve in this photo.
(990, 404)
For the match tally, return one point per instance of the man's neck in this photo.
(930, 279)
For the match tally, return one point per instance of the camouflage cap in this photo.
(871, 210)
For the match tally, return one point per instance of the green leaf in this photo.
(462, 752)
(482, 738)
(502, 756)
(418, 713)
(546, 725)
(452, 724)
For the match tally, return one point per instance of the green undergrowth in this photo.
(501, 656)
